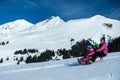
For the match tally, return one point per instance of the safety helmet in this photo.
(89, 46)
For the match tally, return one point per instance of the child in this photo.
(88, 56)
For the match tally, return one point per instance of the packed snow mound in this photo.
(48, 23)
(69, 69)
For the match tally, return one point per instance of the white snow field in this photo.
(54, 33)
(69, 69)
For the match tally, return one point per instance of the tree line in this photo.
(4, 43)
(77, 49)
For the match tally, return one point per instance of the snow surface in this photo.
(15, 26)
(69, 69)
(48, 23)
(53, 33)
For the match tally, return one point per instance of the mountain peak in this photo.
(15, 26)
(19, 20)
(48, 23)
(54, 18)
(22, 21)
(98, 16)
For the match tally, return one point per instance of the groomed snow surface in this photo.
(69, 69)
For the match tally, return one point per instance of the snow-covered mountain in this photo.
(15, 26)
(54, 33)
(48, 23)
(69, 69)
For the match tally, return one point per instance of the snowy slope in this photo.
(59, 36)
(15, 26)
(69, 69)
(48, 23)
(56, 34)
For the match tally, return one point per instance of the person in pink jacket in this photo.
(88, 55)
(102, 51)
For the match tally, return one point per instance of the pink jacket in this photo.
(90, 52)
(103, 48)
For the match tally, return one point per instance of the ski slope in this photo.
(69, 69)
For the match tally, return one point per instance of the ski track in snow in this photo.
(107, 76)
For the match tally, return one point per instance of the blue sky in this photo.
(37, 10)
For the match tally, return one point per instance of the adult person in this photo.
(102, 51)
